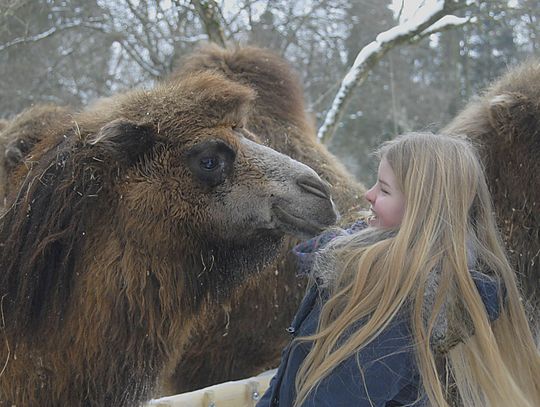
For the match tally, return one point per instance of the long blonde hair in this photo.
(448, 213)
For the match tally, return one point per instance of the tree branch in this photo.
(146, 26)
(152, 70)
(210, 15)
(48, 33)
(424, 23)
(131, 50)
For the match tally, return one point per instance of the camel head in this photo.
(166, 176)
(195, 168)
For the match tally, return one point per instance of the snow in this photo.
(410, 8)
(412, 25)
(448, 21)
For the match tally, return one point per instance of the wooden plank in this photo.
(241, 393)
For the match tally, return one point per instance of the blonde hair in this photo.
(448, 213)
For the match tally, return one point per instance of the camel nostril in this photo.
(314, 186)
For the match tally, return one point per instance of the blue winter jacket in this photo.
(389, 375)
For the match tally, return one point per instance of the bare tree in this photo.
(409, 32)
(49, 54)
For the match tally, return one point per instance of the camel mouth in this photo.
(299, 226)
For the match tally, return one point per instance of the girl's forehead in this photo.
(385, 168)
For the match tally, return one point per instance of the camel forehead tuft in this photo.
(198, 101)
(184, 110)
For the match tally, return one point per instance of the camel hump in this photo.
(512, 103)
(280, 95)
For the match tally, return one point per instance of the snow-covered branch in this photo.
(445, 23)
(48, 33)
(424, 22)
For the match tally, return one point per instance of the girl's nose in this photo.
(369, 195)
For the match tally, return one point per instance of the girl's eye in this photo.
(209, 163)
(384, 191)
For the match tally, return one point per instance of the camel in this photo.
(241, 338)
(505, 120)
(131, 220)
(245, 337)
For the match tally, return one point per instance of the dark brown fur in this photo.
(20, 135)
(29, 127)
(247, 337)
(505, 120)
(119, 238)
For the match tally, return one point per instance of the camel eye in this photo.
(209, 163)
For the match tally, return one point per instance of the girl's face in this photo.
(386, 199)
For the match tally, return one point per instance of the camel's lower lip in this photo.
(296, 225)
(371, 218)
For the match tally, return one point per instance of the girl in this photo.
(417, 307)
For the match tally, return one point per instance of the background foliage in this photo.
(71, 52)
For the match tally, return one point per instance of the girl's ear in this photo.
(123, 141)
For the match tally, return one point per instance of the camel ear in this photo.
(510, 114)
(123, 140)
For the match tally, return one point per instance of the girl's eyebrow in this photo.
(384, 182)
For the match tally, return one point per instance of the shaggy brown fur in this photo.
(505, 120)
(280, 119)
(148, 208)
(20, 135)
(246, 338)
(29, 127)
